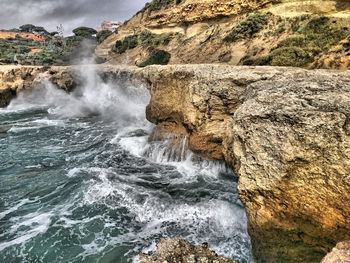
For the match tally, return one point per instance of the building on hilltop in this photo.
(109, 25)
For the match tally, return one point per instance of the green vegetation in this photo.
(85, 32)
(102, 35)
(160, 57)
(144, 38)
(29, 28)
(290, 56)
(55, 50)
(247, 28)
(157, 5)
(309, 41)
(129, 42)
(22, 47)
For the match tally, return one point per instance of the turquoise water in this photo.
(80, 182)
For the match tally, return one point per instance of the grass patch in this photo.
(290, 56)
(160, 57)
(144, 38)
(129, 42)
(157, 5)
(247, 28)
(318, 36)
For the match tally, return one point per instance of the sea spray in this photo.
(81, 181)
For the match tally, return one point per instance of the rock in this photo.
(339, 254)
(174, 250)
(15, 79)
(290, 145)
(285, 131)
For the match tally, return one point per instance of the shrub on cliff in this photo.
(160, 57)
(144, 38)
(247, 28)
(102, 35)
(309, 41)
(156, 5)
(129, 42)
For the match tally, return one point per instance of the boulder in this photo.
(174, 250)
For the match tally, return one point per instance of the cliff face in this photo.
(288, 33)
(286, 133)
(16, 79)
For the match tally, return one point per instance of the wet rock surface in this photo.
(339, 254)
(173, 250)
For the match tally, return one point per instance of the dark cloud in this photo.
(70, 13)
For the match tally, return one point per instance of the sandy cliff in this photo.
(194, 31)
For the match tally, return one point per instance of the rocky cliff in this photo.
(285, 131)
(312, 34)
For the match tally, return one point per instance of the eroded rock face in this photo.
(16, 79)
(339, 254)
(174, 250)
(285, 131)
(291, 149)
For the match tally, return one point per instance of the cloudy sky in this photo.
(69, 13)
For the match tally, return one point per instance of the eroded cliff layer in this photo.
(311, 34)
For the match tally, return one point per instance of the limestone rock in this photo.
(286, 133)
(291, 148)
(174, 250)
(15, 79)
(339, 254)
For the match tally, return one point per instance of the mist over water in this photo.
(80, 181)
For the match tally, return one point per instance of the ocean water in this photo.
(80, 181)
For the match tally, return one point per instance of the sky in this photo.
(69, 13)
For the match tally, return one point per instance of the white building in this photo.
(109, 25)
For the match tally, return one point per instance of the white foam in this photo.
(14, 208)
(73, 172)
(37, 224)
(93, 97)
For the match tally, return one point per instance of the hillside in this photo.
(310, 34)
(42, 48)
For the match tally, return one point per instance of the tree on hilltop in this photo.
(40, 30)
(28, 28)
(85, 32)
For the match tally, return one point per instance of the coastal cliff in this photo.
(285, 131)
(309, 34)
